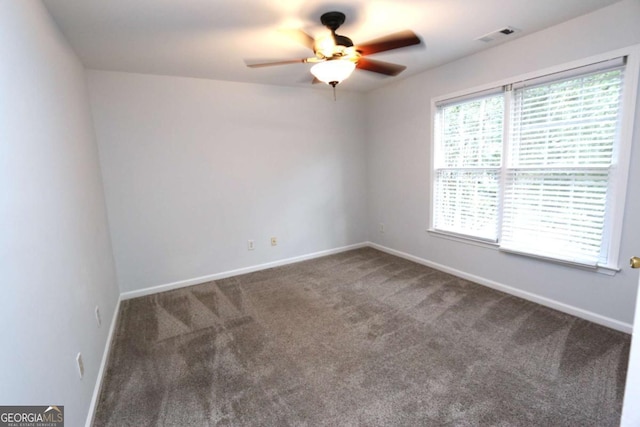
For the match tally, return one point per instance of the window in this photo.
(534, 167)
(467, 175)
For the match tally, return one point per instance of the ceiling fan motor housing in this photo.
(342, 40)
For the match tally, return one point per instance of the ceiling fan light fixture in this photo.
(333, 71)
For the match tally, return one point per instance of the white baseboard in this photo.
(103, 366)
(217, 276)
(565, 308)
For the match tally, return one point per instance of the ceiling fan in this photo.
(336, 56)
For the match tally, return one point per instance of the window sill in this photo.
(608, 270)
(463, 239)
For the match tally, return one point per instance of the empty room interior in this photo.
(320, 213)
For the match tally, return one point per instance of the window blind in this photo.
(467, 166)
(558, 166)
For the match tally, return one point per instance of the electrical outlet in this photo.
(98, 319)
(382, 227)
(80, 365)
(274, 241)
(250, 245)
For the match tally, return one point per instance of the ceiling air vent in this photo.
(498, 34)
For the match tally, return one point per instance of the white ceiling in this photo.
(211, 38)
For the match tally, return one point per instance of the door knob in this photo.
(634, 262)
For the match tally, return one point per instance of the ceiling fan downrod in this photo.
(333, 21)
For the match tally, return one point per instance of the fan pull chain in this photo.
(334, 94)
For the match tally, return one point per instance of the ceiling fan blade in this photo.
(301, 37)
(252, 64)
(392, 41)
(386, 68)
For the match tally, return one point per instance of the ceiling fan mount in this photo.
(336, 56)
(332, 20)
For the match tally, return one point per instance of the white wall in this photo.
(194, 168)
(398, 164)
(55, 255)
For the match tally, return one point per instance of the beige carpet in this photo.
(358, 338)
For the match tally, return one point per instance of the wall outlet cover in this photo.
(98, 318)
(80, 364)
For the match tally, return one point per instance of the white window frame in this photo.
(620, 165)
